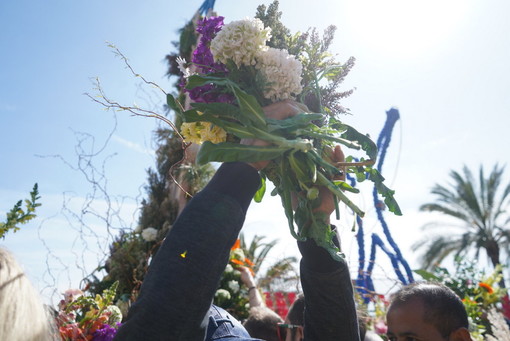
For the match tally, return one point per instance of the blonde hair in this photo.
(23, 317)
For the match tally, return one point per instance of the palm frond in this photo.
(482, 210)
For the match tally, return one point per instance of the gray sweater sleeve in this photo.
(183, 276)
(330, 310)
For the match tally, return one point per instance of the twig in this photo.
(121, 55)
(355, 164)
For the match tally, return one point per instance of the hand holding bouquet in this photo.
(234, 80)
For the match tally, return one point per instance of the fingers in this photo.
(337, 156)
(284, 109)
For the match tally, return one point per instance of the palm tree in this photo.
(481, 210)
(279, 275)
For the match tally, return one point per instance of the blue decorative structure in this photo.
(364, 283)
(206, 7)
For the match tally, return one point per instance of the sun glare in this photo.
(406, 28)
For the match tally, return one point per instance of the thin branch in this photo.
(117, 52)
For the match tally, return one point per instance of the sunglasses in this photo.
(282, 330)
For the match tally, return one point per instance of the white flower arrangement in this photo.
(222, 294)
(239, 70)
(229, 268)
(281, 72)
(115, 314)
(150, 234)
(234, 286)
(241, 41)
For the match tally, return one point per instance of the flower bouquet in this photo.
(237, 70)
(88, 318)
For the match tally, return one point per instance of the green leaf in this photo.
(17, 216)
(172, 104)
(230, 152)
(261, 191)
(364, 140)
(196, 80)
(387, 193)
(345, 186)
(321, 232)
(250, 107)
(291, 124)
(219, 109)
(427, 275)
(328, 137)
(232, 127)
(321, 179)
(299, 167)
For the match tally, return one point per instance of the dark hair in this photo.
(296, 314)
(263, 323)
(443, 308)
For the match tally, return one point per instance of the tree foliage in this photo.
(19, 216)
(480, 204)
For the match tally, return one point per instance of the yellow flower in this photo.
(198, 132)
(190, 132)
(213, 133)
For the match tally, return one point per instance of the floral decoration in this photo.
(87, 318)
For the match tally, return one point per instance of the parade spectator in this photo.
(23, 316)
(262, 322)
(175, 298)
(427, 311)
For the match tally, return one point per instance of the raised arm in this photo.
(330, 311)
(183, 276)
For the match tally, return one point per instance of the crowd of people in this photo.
(174, 302)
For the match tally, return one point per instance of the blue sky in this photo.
(444, 64)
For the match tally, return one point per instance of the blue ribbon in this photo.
(364, 282)
(206, 7)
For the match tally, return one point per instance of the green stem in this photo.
(325, 181)
(297, 144)
(345, 142)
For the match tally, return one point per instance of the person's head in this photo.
(262, 323)
(294, 322)
(427, 311)
(23, 315)
(292, 329)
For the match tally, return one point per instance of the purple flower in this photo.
(204, 62)
(105, 333)
(207, 27)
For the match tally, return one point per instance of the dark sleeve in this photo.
(184, 274)
(330, 311)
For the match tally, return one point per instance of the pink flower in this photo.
(380, 327)
(72, 294)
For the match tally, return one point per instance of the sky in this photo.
(443, 64)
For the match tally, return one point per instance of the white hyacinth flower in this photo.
(281, 73)
(240, 41)
(150, 234)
